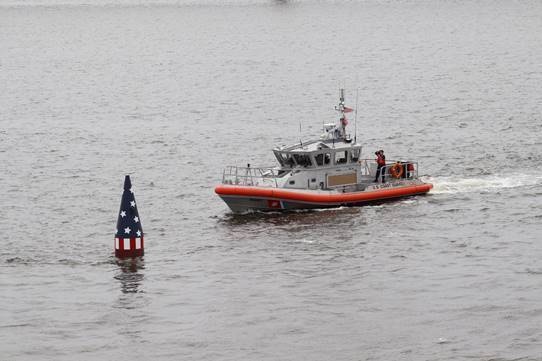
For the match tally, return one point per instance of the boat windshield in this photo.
(303, 160)
(285, 159)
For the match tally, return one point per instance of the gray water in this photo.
(171, 92)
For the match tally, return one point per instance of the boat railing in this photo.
(410, 169)
(250, 176)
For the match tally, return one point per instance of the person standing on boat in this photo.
(381, 163)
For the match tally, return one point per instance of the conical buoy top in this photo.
(127, 183)
(129, 234)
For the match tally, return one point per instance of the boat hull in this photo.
(242, 199)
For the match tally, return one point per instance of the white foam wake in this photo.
(491, 183)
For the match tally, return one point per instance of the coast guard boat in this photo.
(321, 173)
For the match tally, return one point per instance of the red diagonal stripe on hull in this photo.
(271, 203)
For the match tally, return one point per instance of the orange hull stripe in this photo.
(283, 194)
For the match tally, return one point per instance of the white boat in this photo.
(321, 173)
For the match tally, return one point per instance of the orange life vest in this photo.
(381, 160)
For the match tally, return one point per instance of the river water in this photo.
(171, 92)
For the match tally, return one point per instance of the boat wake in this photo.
(490, 183)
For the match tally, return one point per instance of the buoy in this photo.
(129, 234)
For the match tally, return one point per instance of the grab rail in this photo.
(408, 174)
(268, 176)
(249, 176)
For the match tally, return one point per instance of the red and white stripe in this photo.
(129, 246)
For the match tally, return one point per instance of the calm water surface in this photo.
(172, 92)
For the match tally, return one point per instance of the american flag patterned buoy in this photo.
(129, 235)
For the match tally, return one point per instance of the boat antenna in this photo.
(341, 109)
(356, 118)
(300, 142)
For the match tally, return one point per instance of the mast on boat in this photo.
(338, 131)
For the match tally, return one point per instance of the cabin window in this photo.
(313, 180)
(319, 158)
(288, 160)
(355, 155)
(280, 158)
(292, 182)
(322, 159)
(303, 160)
(340, 157)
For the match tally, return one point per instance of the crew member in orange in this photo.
(381, 163)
